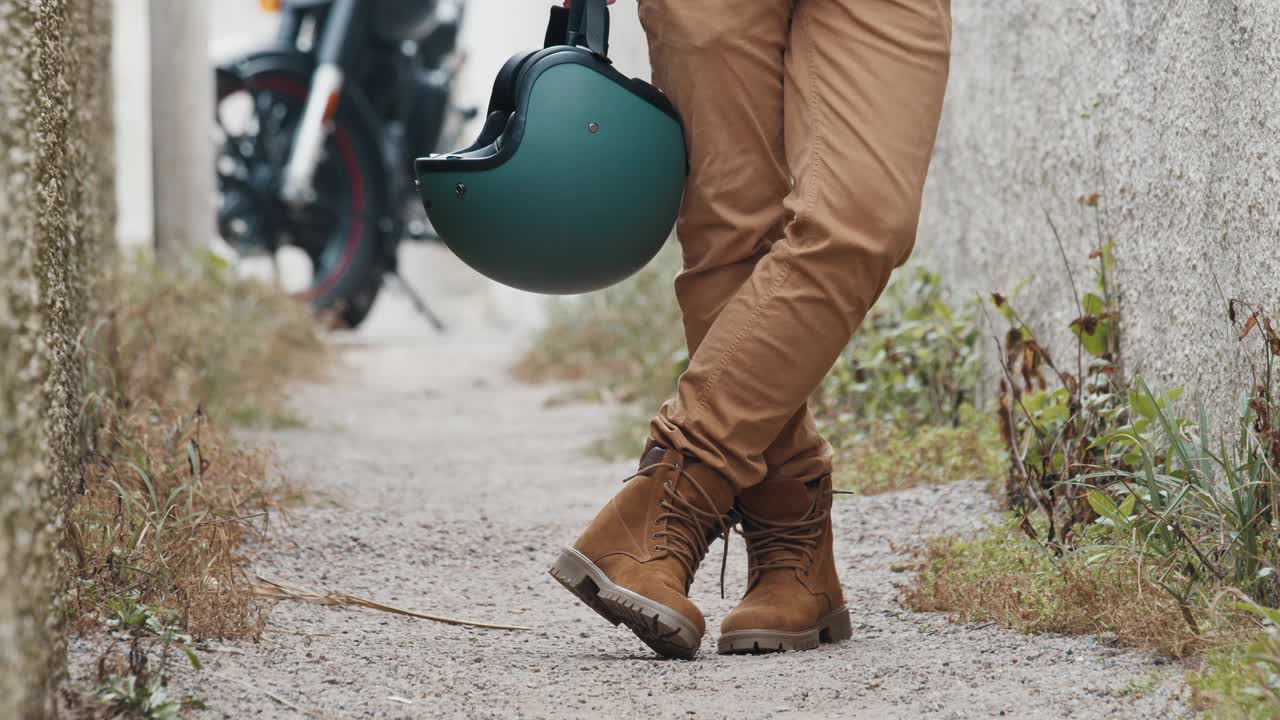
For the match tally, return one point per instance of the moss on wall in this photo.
(56, 209)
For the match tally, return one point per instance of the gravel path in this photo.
(437, 485)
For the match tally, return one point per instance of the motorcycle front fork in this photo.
(296, 186)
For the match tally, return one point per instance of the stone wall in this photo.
(56, 209)
(1169, 110)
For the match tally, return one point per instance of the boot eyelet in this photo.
(657, 548)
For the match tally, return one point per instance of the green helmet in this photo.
(576, 179)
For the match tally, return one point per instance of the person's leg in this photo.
(721, 61)
(864, 87)
(864, 81)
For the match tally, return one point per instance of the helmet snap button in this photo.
(593, 128)
(461, 189)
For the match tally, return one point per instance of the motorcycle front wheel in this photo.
(336, 230)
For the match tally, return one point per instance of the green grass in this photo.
(1142, 685)
(134, 680)
(1240, 682)
(873, 458)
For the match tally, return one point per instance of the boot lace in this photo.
(781, 544)
(686, 529)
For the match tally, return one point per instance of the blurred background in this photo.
(490, 32)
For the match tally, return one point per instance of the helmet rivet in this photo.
(593, 128)
(461, 189)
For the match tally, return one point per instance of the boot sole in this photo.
(832, 628)
(668, 632)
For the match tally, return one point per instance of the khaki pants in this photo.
(810, 124)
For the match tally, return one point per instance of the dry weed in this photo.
(168, 498)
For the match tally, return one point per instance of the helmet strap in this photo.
(585, 23)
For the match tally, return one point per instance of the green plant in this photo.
(1113, 471)
(1119, 494)
(898, 406)
(1243, 680)
(1191, 521)
(1050, 431)
(1201, 518)
(913, 362)
(128, 683)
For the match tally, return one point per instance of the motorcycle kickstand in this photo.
(418, 303)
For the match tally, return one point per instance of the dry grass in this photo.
(201, 337)
(1002, 576)
(163, 515)
(167, 496)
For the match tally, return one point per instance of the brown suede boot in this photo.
(636, 560)
(793, 599)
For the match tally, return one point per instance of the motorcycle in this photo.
(316, 136)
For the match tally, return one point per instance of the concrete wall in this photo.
(56, 207)
(1168, 108)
